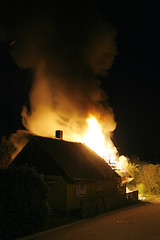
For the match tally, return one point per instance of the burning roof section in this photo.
(74, 161)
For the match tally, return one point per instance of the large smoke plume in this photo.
(67, 51)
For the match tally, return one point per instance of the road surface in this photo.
(138, 223)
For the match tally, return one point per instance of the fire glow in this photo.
(66, 92)
(95, 140)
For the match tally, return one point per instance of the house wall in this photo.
(109, 192)
(62, 196)
(73, 201)
(56, 193)
(110, 188)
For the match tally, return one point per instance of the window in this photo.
(99, 187)
(80, 189)
(120, 187)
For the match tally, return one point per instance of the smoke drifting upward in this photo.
(67, 51)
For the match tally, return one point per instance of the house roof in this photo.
(70, 159)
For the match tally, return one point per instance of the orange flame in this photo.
(96, 140)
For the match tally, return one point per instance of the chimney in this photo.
(59, 134)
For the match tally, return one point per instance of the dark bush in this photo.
(23, 202)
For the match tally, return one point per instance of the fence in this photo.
(100, 205)
(96, 206)
(132, 196)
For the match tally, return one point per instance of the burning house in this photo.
(78, 178)
(67, 54)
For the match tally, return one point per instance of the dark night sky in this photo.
(134, 87)
(132, 83)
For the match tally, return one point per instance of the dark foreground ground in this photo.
(136, 223)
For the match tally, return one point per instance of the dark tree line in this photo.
(23, 197)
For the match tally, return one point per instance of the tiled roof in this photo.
(71, 159)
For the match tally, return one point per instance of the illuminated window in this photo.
(81, 189)
(99, 187)
(120, 187)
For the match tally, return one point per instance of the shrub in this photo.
(141, 188)
(23, 202)
(148, 176)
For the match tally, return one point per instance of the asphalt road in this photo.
(137, 223)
